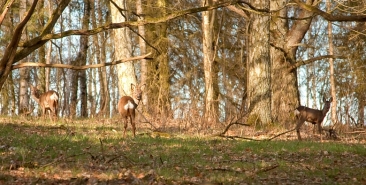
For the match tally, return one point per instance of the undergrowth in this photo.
(90, 152)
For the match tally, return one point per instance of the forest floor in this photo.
(94, 152)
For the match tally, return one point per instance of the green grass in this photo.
(89, 152)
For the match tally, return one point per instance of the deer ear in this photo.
(132, 86)
(324, 99)
(331, 99)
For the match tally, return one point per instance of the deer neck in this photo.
(136, 101)
(35, 97)
(324, 112)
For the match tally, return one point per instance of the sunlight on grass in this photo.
(49, 152)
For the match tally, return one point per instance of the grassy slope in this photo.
(89, 152)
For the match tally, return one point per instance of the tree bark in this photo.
(142, 44)
(123, 49)
(259, 68)
(331, 70)
(208, 50)
(158, 90)
(23, 73)
(285, 93)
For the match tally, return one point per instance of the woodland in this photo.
(222, 79)
(205, 63)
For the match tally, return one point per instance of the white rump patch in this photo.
(297, 112)
(129, 105)
(54, 96)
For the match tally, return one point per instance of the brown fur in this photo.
(47, 101)
(313, 116)
(127, 106)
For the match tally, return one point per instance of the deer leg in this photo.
(50, 114)
(125, 126)
(298, 126)
(132, 117)
(44, 113)
(53, 114)
(320, 128)
(320, 131)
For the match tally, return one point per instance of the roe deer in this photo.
(47, 100)
(313, 116)
(127, 106)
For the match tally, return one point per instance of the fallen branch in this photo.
(246, 138)
(355, 132)
(231, 124)
(237, 137)
(266, 169)
(147, 121)
(280, 134)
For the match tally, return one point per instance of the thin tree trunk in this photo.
(82, 74)
(331, 68)
(48, 56)
(100, 56)
(208, 44)
(142, 44)
(24, 72)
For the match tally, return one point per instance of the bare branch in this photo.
(298, 64)
(147, 20)
(34, 64)
(6, 9)
(330, 17)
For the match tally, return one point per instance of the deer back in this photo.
(128, 104)
(49, 99)
(309, 114)
(313, 115)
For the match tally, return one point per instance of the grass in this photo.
(89, 152)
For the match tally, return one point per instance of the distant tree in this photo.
(123, 48)
(210, 74)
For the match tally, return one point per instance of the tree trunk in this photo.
(100, 55)
(331, 68)
(158, 68)
(80, 76)
(284, 41)
(142, 44)
(123, 49)
(208, 49)
(23, 72)
(259, 79)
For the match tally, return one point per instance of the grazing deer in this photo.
(47, 100)
(127, 106)
(313, 116)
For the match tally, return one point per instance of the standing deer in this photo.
(313, 116)
(127, 106)
(47, 100)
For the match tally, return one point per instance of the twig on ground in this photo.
(147, 121)
(266, 169)
(231, 124)
(279, 134)
(246, 138)
(237, 137)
